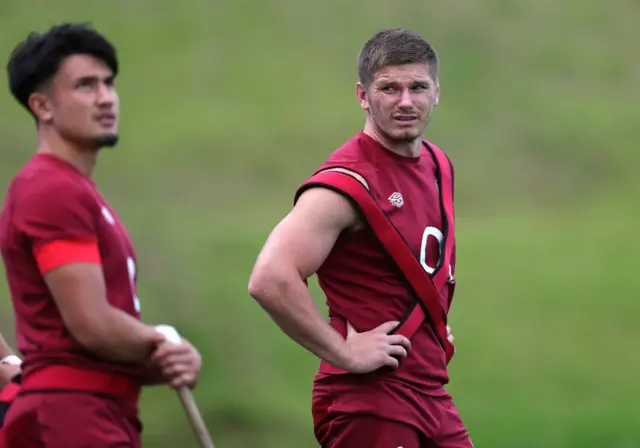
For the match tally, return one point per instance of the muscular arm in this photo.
(80, 294)
(294, 251)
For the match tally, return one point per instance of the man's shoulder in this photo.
(350, 155)
(351, 146)
(44, 190)
(48, 182)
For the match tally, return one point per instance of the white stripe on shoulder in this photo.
(350, 173)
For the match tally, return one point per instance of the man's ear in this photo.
(40, 105)
(361, 93)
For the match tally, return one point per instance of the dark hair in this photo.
(394, 47)
(37, 59)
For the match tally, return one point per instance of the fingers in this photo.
(383, 328)
(395, 354)
(376, 348)
(386, 327)
(166, 350)
(174, 369)
(392, 362)
(176, 359)
(182, 374)
(186, 379)
(398, 352)
(179, 364)
(398, 339)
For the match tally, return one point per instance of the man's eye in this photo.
(84, 83)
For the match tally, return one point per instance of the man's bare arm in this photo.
(80, 293)
(296, 248)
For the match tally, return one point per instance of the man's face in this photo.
(81, 103)
(400, 100)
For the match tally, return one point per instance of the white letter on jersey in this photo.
(430, 231)
(131, 267)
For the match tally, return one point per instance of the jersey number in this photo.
(131, 267)
(432, 231)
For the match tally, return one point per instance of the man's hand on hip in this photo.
(370, 350)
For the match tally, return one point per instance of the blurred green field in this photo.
(228, 106)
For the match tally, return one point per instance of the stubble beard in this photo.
(105, 141)
(407, 136)
(404, 135)
(401, 135)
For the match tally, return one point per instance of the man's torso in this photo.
(361, 282)
(41, 334)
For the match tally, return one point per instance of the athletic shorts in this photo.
(70, 420)
(354, 431)
(348, 414)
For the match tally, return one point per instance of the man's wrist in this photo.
(341, 357)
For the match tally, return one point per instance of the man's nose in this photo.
(406, 102)
(106, 95)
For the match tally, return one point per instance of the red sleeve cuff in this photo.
(60, 252)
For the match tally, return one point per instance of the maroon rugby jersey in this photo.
(359, 280)
(50, 200)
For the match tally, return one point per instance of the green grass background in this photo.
(227, 106)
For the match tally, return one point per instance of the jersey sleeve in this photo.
(59, 219)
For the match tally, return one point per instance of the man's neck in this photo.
(406, 149)
(83, 160)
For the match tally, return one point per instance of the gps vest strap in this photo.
(428, 306)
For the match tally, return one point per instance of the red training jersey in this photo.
(361, 282)
(52, 215)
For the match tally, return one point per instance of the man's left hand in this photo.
(179, 364)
